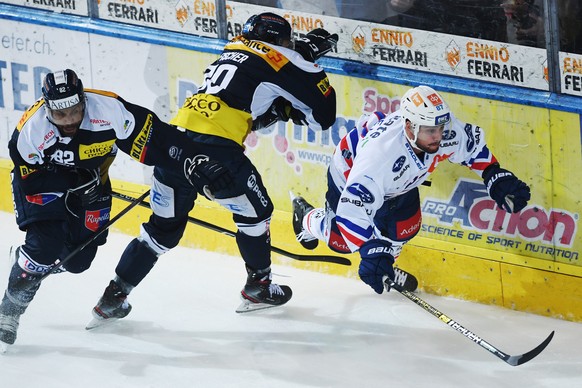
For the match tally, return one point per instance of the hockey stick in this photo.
(511, 360)
(216, 228)
(82, 246)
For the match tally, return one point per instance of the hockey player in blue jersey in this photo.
(372, 202)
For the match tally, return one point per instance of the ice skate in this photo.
(300, 208)
(113, 305)
(22, 287)
(260, 293)
(8, 330)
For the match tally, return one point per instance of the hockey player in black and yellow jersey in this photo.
(260, 77)
(62, 149)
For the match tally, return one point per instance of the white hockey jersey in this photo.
(372, 165)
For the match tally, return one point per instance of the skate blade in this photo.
(4, 347)
(100, 322)
(247, 306)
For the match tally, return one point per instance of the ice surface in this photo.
(335, 332)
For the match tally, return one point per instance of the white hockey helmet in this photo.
(422, 105)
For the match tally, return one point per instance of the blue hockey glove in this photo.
(510, 193)
(376, 263)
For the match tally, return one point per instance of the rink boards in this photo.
(467, 248)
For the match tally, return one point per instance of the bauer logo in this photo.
(470, 205)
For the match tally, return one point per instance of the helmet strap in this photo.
(415, 128)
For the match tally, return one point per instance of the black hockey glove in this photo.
(376, 263)
(285, 112)
(316, 44)
(208, 175)
(510, 193)
(89, 187)
(280, 110)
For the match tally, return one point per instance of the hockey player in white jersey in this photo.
(372, 202)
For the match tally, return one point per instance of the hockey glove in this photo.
(510, 193)
(280, 110)
(285, 112)
(316, 44)
(89, 187)
(208, 175)
(376, 263)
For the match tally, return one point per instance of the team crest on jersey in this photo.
(398, 164)
(95, 219)
(361, 192)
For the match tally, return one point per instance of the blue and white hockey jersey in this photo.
(376, 162)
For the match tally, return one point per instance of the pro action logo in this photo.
(470, 205)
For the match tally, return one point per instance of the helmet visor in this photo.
(288, 42)
(432, 130)
(68, 119)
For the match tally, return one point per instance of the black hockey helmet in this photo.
(64, 99)
(269, 27)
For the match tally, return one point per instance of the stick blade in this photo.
(523, 358)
